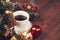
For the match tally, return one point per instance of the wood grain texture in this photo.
(50, 14)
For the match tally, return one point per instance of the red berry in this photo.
(29, 7)
(23, 7)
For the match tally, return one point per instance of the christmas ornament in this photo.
(35, 31)
(26, 36)
(8, 12)
(13, 38)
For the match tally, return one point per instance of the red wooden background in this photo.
(49, 18)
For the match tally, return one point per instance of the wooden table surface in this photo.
(49, 19)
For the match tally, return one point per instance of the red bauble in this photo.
(35, 31)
